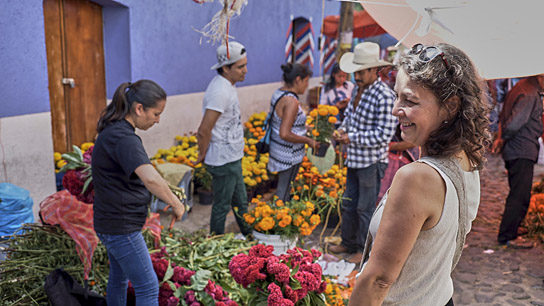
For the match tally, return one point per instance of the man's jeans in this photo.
(130, 260)
(362, 188)
(228, 190)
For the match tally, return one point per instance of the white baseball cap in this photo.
(236, 53)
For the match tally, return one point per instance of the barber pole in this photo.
(327, 56)
(289, 43)
(304, 45)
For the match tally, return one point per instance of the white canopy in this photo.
(504, 38)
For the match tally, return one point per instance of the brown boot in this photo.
(356, 258)
(519, 243)
(338, 249)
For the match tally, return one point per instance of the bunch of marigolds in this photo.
(534, 221)
(290, 219)
(336, 294)
(322, 120)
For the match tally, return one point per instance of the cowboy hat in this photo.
(365, 55)
(235, 53)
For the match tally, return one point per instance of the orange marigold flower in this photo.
(315, 219)
(298, 220)
(267, 223)
(323, 112)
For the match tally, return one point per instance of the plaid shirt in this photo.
(371, 126)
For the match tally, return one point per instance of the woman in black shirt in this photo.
(123, 178)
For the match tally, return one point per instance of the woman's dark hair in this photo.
(292, 71)
(467, 127)
(145, 92)
(331, 82)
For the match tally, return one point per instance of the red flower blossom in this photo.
(261, 269)
(276, 298)
(73, 182)
(182, 276)
(279, 270)
(160, 267)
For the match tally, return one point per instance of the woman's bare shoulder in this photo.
(419, 182)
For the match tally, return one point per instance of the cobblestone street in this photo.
(488, 274)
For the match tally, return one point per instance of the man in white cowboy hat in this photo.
(367, 129)
(221, 138)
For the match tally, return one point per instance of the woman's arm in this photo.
(156, 184)
(288, 113)
(414, 203)
(400, 145)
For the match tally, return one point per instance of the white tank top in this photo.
(425, 279)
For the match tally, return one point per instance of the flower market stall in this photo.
(193, 269)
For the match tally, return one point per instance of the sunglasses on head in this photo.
(427, 54)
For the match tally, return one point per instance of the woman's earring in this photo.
(445, 121)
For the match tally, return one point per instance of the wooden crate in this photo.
(313, 96)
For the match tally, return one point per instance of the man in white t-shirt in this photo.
(221, 138)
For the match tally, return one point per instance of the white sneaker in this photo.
(240, 236)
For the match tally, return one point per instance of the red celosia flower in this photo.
(160, 267)
(182, 276)
(279, 270)
(73, 181)
(261, 269)
(276, 298)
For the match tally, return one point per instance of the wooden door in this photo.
(75, 51)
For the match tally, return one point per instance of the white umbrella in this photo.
(504, 38)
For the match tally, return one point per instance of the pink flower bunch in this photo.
(87, 156)
(261, 270)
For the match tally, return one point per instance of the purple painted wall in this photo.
(23, 62)
(176, 59)
(149, 39)
(116, 45)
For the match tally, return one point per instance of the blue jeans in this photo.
(130, 260)
(359, 203)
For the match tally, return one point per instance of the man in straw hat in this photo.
(367, 128)
(221, 138)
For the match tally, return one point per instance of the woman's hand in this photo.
(497, 146)
(179, 210)
(342, 103)
(341, 137)
(313, 144)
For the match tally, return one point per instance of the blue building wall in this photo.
(23, 62)
(149, 39)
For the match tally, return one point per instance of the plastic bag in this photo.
(63, 290)
(15, 208)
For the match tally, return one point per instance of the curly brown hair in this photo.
(454, 76)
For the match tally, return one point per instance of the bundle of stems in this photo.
(35, 253)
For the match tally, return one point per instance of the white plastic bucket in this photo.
(280, 245)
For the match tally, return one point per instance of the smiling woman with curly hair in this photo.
(418, 230)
